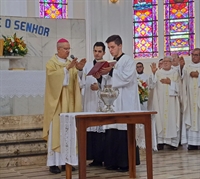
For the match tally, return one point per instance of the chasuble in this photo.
(191, 106)
(59, 98)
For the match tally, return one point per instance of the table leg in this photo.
(131, 150)
(148, 139)
(82, 139)
(68, 169)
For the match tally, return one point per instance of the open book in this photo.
(99, 65)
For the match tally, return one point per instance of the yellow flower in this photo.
(14, 45)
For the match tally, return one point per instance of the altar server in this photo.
(122, 76)
(92, 103)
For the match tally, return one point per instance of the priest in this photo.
(165, 86)
(191, 102)
(62, 94)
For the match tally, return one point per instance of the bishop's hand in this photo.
(72, 64)
(81, 64)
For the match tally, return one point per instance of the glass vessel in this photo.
(108, 95)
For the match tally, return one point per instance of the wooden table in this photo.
(130, 118)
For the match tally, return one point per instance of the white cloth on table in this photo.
(22, 83)
(68, 140)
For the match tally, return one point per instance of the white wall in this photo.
(103, 19)
(13, 8)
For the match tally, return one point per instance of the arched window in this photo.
(56, 9)
(145, 29)
(179, 26)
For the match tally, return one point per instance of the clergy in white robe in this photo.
(123, 77)
(62, 94)
(178, 64)
(191, 102)
(140, 127)
(165, 100)
(92, 103)
(144, 77)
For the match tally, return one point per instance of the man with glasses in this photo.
(144, 77)
(140, 72)
(165, 100)
(191, 102)
(62, 94)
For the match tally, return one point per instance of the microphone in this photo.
(72, 57)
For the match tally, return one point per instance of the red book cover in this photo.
(99, 65)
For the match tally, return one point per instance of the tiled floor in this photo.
(167, 164)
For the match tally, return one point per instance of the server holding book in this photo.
(122, 76)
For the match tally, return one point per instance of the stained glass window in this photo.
(179, 26)
(145, 29)
(56, 9)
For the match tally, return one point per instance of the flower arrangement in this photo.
(143, 91)
(14, 46)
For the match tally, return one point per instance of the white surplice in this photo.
(144, 77)
(91, 101)
(191, 106)
(124, 78)
(164, 99)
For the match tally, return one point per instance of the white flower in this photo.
(140, 83)
(12, 39)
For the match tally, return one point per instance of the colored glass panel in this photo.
(143, 29)
(179, 27)
(145, 37)
(55, 9)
